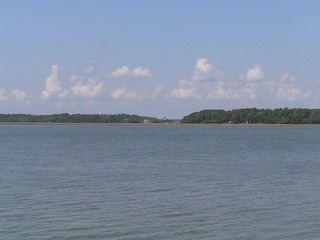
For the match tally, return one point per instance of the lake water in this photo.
(166, 182)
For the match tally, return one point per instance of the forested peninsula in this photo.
(79, 118)
(255, 116)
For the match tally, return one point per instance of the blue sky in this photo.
(158, 58)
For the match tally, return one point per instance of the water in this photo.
(119, 183)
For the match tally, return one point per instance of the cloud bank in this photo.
(289, 90)
(123, 93)
(210, 83)
(206, 84)
(14, 96)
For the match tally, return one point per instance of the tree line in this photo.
(80, 118)
(254, 115)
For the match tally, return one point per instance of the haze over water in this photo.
(174, 182)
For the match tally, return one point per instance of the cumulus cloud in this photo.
(207, 82)
(84, 88)
(158, 89)
(125, 71)
(218, 90)
(18, 96)
(210, 83)
(250, 90)
(187, 89)
(289, 89)
(73, 77)
(120, 72)
(254, 74)
(203, 68)
(287, 78)
(259, 90)
(256, 84)
(14, 96)
(183, 93)
(90, 89)
(206, 71)
(123, 93)
(3, 97)
(53, 85)
(141, 72)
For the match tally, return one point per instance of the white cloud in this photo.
(124, 71)
(203, 65)
(52, 85)
(260, 89)
(118, 93)
(183, 93)
(287, 78)
(141, 72)
(158, 89)
(292, 93)
(207, 82)
(18, 95)
(223, 93)
(73, 77)
(3, 97)
(120, 72)
(254, 74)
(218, 90)
(15, 96)
(123, 93)
(203, 68)
(257, 85)
(88, 90)
(45, 95)
(185, 83)
(210, 83)
(205, 71)
(289, 90)
(250, 90)
(89, 69)
(187, 89)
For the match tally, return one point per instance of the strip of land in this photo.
(157, 124)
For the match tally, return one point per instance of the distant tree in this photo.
(253, 115)
(80, 118)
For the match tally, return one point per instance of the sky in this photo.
(165, 58)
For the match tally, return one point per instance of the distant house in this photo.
(146, 121)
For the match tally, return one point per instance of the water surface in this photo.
(173, 182)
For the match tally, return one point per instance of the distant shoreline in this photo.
(161, 124)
